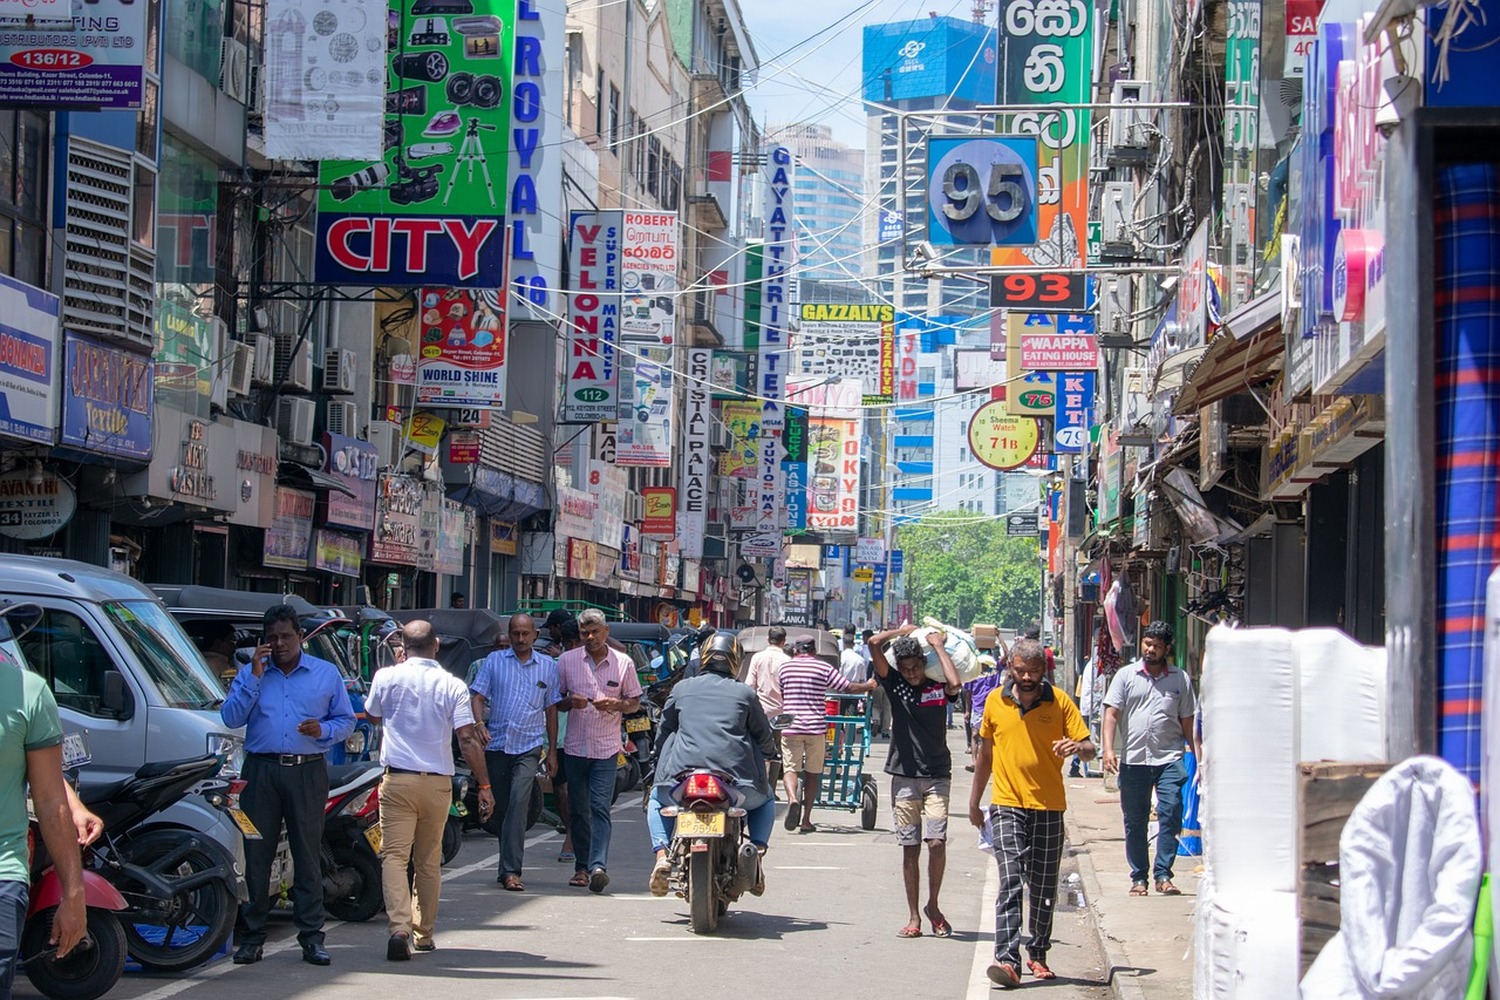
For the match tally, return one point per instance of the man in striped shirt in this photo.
(599, 689)
(805, 680)
(521, 689)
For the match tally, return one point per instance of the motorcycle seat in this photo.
(92, 795)
(340, 775)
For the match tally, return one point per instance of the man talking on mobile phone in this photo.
(294, 709)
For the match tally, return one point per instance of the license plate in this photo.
(75, 750)
(372, 834)
(691, 824)
(620, 759)
(243, 822)
(637, 725)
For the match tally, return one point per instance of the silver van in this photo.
(126, 675)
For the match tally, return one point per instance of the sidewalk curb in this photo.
(1123, 988)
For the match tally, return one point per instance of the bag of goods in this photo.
(960, 647)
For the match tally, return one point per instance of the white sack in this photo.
(1342, 692)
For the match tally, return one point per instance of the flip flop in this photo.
(793, 814)
(940, 926)
(909, 932)
(1039, 969)
(1004, 975)
(566, 856)
(580, 879)
(512, 883)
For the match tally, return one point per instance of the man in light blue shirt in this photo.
(521, 689)
(294, 708)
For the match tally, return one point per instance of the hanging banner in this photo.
(1075, 411)
(775, 312)
(94, 63)
(649, 278)
(1051, 342)
(29, 341)
(338, 553)
(576, 513)
(644, 436)
(834, 451)
(848, 340)
(290, 535)
(610, 485)
(398, 513)
(1047, 58)
(742, 421)
(324, 78)
(356, 464)
(463, 349)
(659, 519)
(107, 400)
(908, 346)
(422, 431)
(453, 535)
(794, 467)
(536, 154)
(591, 391)
(430, 210)
(697, 415)
(1001, 441)
(1242, 74)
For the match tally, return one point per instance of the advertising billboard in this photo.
(29, 338)
(107, 402)
(95, 60)
(932, 57)
(977, 369)
(461, 360)
(982, 191)
(324, 77)
(833, 453)
(742, 420)
(591, 390)
(697, 415)
(536, 154)
(1051, 342)
(848, 340)
(430, 211)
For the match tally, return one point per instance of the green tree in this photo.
(962, 568)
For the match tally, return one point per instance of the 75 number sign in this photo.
(982, 191)
(1039, 292)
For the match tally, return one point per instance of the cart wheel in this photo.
(869, 797)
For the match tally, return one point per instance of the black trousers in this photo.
(513, 775)
(295, 796)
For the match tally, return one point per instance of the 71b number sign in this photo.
(982, 191)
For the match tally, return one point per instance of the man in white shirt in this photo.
(851, 664)
(765, 680)
(422, 706)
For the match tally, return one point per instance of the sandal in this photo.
(1003, 975)
(1164, 887)
(566, 856)
(1039, 969)
(513, 883)
(910, 931)
(580, 879)
(1139, 889)
(940, 926)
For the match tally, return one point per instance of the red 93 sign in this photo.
(1039, 292)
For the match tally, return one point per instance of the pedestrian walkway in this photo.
(1146, 941)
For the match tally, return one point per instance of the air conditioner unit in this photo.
(635, 508)
(294, 419)
(718, 436)
(385, 435)
(241, 368)
(341, 418)
(257, 96)
(338, 372)
(1126, 116)
(264, 372)
(1116, 211)
(295, 370)
(1116, 303)
(234, 69)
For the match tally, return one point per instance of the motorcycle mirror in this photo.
(18, 619)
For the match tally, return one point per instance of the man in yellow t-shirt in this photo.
(1029, 728)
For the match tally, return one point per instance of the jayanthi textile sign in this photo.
(325, 78)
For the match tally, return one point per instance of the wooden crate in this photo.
(1326, 794)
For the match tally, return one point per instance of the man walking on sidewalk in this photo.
(1029, 728)
(1153, 703)
(920, 765)
(421, 706)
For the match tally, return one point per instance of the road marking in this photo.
(984, 947)
(807, 868)
(681, 937)
(827, 843)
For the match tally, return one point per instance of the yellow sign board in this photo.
(1033, 394)
(1000, 439)
(864, 574)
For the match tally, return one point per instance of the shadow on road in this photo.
(748, 926)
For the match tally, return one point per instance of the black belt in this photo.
(421, 774)
(288, 759)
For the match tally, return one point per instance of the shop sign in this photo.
(422, 431)
(193, 462)
(1301, 35)
(1032, 394)
(583, 557)
(107, 400)
(463, 448)
(462, 361)
(592, 389)
(34, 510)
(1192, 292)
(435, 219)
(863, 574)
(869, 551)
(1023, 523)
(256, 458)
(453, 536)
(834, 453)
(1051, 342)
(536, 157)
(94, 63)
(29, 339)
(1111, 468)
(1304, 453)
(794, 467)
(742, 421)
(1075, 410)
(398, 516)
(908, 346)
(660, 506)
(696, 458)
(338, 552)
(357, 465)
(290, 534)
(185, 351)
(728, 375)
(576, 511)
(319, 103)
(692, 575)
(648, 276)
(857, 340)
(1242, 57)
(604, 442)
(646, 407)
(429, 524)
(977, 369)
(1000, 440)
(780, 249)
(982, 191)
(503, 537)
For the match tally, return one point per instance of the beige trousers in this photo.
(413, 811)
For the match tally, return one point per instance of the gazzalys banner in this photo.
(430, 211)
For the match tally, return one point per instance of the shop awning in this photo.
(293, 474)
(1247, 351)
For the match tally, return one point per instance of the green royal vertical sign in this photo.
(432, 210)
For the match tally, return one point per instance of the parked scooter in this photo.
(96, 963)
(181, 887)
(458, 814)
(713, 861)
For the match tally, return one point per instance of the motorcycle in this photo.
(96, 963)
(713, 862)
(351, 843)
(182, 890)
(458, 813)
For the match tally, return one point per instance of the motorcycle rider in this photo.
(713, 721)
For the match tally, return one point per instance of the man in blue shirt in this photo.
(521, 689)
(294, 708)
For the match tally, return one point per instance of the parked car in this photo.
(201, 609)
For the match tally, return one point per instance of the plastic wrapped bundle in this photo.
(1342, 690)
(960, 647)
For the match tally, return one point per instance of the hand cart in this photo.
(844, 785)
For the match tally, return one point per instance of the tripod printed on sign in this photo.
(470, 153)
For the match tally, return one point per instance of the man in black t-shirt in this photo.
(919, 763)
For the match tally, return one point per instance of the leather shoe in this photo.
(315, 954)
(247, 954)
(398, 948)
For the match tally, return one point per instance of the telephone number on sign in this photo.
(54, 59)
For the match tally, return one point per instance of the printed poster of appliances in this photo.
(644, 436)
(95, 63)
(430, 211)
(463, 348)
(325, 78)
(648, 276)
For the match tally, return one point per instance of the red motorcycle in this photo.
(96, 963)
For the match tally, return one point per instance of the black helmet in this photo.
(722, 654)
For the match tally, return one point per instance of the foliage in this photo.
(962, 568)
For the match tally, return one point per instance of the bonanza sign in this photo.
(430, 211)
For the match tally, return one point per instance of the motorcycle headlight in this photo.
(232, 749)
(460, 788)
(355, 744)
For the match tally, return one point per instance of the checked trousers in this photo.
(1028, 849)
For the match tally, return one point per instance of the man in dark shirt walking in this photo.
(919, 763)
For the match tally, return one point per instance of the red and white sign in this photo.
(1301, 34)
(908, 346)
(592, 387)
(660, 518)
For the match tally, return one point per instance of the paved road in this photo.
(826, 927)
